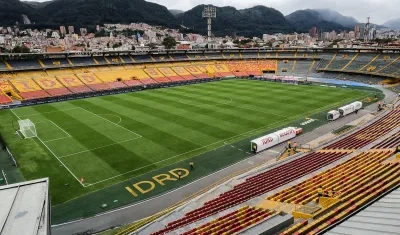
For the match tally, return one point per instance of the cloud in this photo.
(379, 10)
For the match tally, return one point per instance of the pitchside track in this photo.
(104, 140)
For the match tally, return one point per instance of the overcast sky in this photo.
(379, 10)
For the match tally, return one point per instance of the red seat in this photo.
(4, 99)
(133, 83)
(99, 87)
(30, 95)
(116, 84)
(79, 89)
(58, 91)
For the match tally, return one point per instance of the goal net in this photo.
(27, 128)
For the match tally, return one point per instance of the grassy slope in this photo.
(175, 123)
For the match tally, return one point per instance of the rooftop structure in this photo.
(25, 208)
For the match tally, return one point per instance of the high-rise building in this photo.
(71, 30)
(357, 31)
(313, 32)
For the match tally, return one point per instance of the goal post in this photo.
(27, 128)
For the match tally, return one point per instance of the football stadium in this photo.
(235, 141)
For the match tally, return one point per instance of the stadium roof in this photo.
(24, 208)
(380, 218)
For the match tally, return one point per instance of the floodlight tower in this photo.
(366, 30)
(209, 13)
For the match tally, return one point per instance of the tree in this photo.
(21, 49)
(169, 42)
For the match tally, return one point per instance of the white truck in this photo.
(273, 139)
(343, 111)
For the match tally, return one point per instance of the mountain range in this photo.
(253, 21)
(393, 23)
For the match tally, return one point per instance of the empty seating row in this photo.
(391, 142)
(370, 133)
(380, 62)
(24, 64)
(4, 99)
(363, 189)
(338, 178)
(362, 60)
(258, 185)
(233, 222)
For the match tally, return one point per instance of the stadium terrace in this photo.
(135, 132)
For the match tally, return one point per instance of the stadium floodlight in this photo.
(209, 12)
(27, 128)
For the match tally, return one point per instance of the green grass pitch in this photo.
(107, 139)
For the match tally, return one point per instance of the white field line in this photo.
(112, 122)
(60, 128)
(61, 110)
(223, 141)
(120, 119)
(57, 139)
(53, 153)
(103, 146)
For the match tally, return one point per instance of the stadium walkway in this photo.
(151, 206)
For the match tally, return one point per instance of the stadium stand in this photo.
(4, 99)
(267, 55)
(126, 59)
(231, 55)
(198, 73)
(82, 61)
(391, 68)
(93, 82)
(183, 73)
(113, 59)
(212, 55)
(156, 75)
(170, 74)
(142, 58)
(285, 67)
(196, 56)
(302, 67)
(238, 68)
(372, 132)
(286, 54)
(55, 63)
(52, 86)
(250, 55)
(391, 142)
(268, 65)
(252, 186)
(28, 89)
(24, 64)
(161, 58)
(341, 60)
(222, 70)
(73, 83)
(100, 60)
(362, 60)
(382, 61)
(142, 76)
(3, 66)
(366, 176)
(114, 79)
(233, 222)
(178, 57)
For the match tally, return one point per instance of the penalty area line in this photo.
(111, 122)
(53, 154)
(224, 142)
